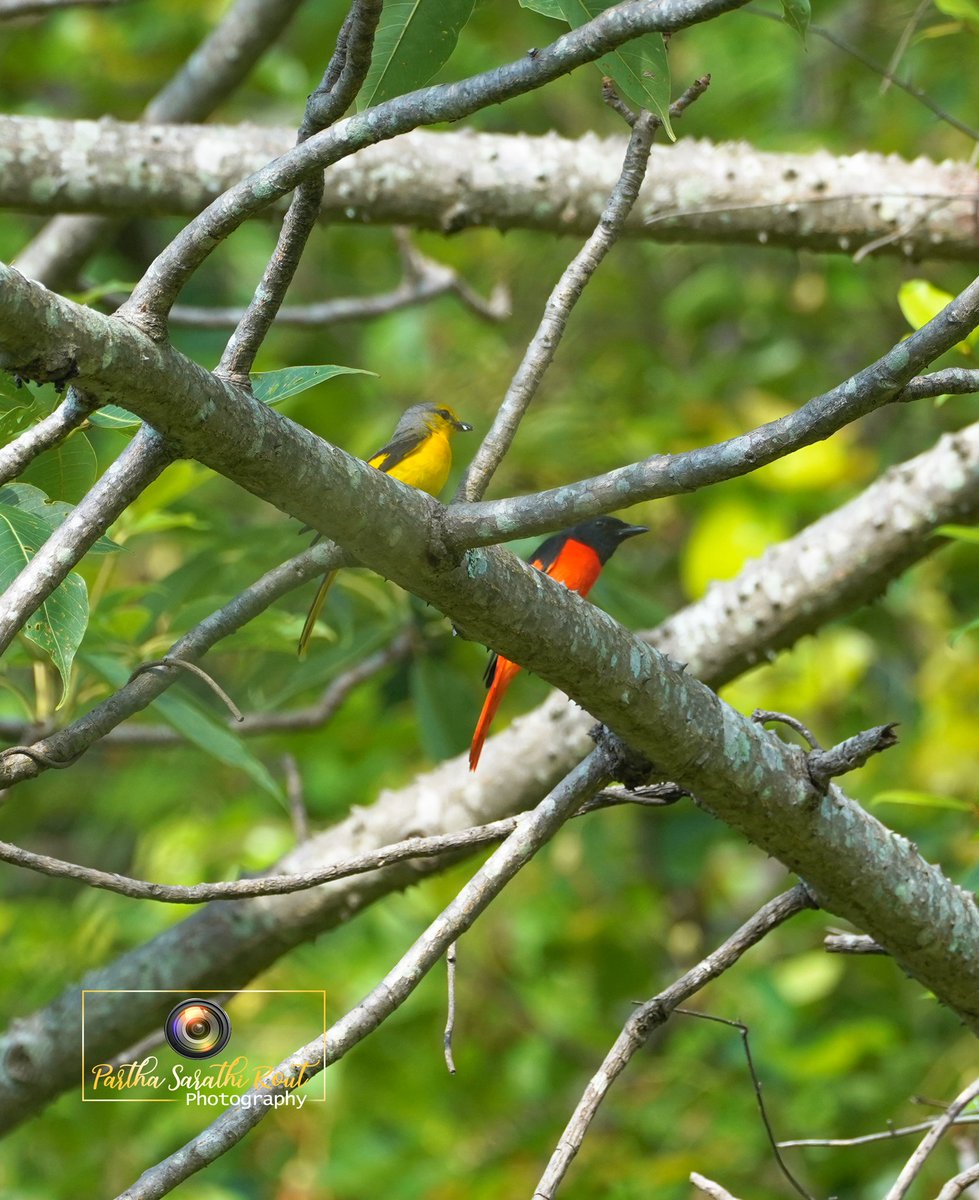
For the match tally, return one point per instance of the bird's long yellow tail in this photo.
(314, 612)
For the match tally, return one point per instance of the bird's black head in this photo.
(604, 534)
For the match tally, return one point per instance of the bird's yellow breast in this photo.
(427, 466)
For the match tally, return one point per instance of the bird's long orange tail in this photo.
(503, 673)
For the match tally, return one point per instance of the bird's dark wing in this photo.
(396, 451)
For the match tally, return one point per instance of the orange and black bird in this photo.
(574, 558)
(419, 454)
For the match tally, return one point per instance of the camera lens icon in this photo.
(197, 1028)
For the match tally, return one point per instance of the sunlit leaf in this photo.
(272, 387)
(58, 625)
(640, 69)
(961, 533)
(920, 301)
(111, 416)
(966, 11)
(414, 40)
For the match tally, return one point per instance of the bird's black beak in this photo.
(631, 531)
(462, 426)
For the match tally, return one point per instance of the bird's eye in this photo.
(444, 414)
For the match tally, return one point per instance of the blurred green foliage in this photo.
(670, 347)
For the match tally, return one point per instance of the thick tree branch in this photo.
(457, 180)
(289, 466)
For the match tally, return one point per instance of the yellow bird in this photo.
(419, 454)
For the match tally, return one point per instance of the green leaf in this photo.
(52, 512)
(196, 724)
(414, 40)
(547, 8)
(797, 14)
(961, 533)
(921, 800)
(111, 416)
(20, 407)
(640, 69)
(66, 471)
(272, 387)
(59, 624)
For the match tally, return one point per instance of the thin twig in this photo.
(544, 344)
(138, 693)
(756, 1084)
(957, 1185)
(461, 841)
(762, 716)
(296, 797)
(437, 279)
(710, 1188)
(824, 765)
(655, 1013)
(170, 661)
(913, 91)
(450, 1007)
(931, 1139)
(530, 835)
(866, 1139)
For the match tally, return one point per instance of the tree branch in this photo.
(444, 846)
(450, 181)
